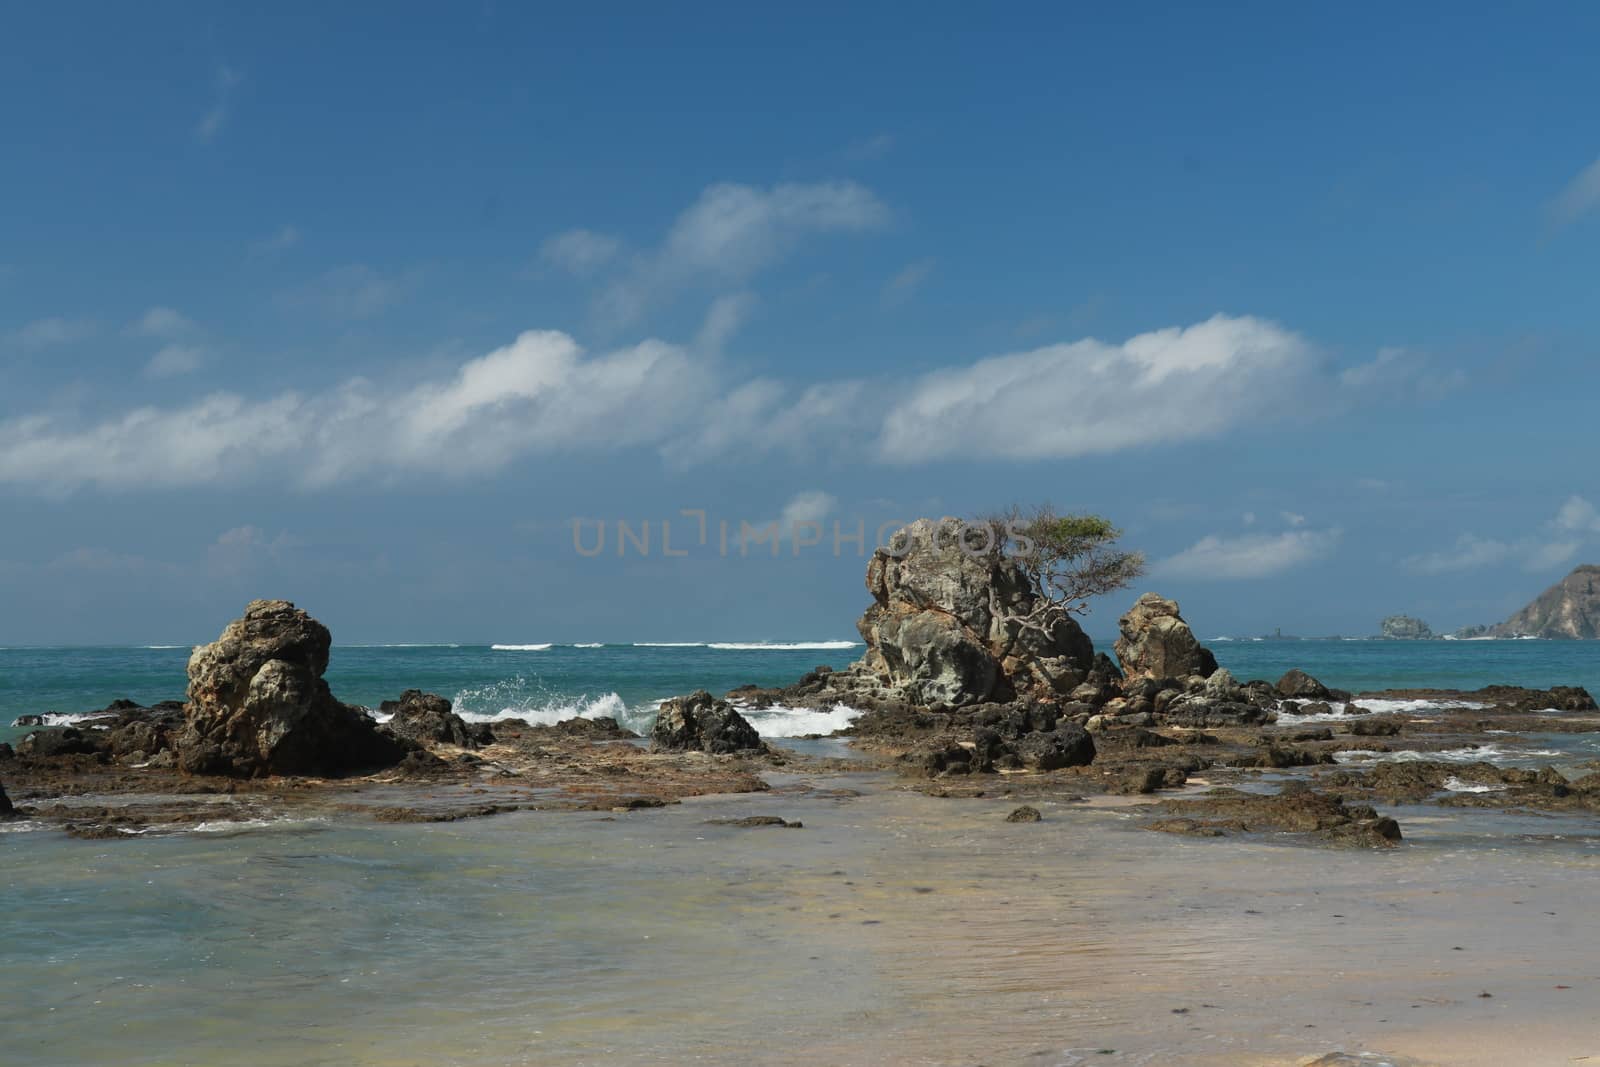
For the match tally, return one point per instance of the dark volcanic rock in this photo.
(6, 810)
(700, 722)
(427, 717)
(1155, 642)
(1294, 810)
(58, 741)
(1068, 745)
(1024, 814)
(1297, 683)
(258, 703)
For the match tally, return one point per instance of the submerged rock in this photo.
(1293, 810)
(700, 722)
(427, 717)
(1155, 642)
(1025, 814)
(258, 703)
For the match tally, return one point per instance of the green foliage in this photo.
(1068, 558)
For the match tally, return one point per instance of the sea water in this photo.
(894, 928)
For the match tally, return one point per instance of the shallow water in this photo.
(893, 928)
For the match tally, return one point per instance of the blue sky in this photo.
(363, 307)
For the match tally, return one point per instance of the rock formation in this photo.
(1405, 628)
(700, 722)
(953, 625)
(6, 810)
(426, 717)
(1569, 609)
(258, 703)
(1157, 643)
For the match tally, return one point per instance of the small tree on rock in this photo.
(1068, 558)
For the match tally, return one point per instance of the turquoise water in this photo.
(626, 680)
(894, 928)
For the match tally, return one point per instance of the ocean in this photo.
(544, 683)
(894, 928)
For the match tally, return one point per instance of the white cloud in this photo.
(724, 318)
(579, 252)
(1402, 372)
(731, 233)
(283, 239)
(1575, 524)
(1469, 553)
(161, 322)
(1579, 198)
(904, 285)
(869, 148)
(539, 395)
(1247, 556)
(811, 506)
(216, 116)
(352, 292)
(1088, 397)
(1291, 518)
(175, 360)
(51, 332)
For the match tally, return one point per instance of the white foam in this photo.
(57, 718)
(669, 644)
(519, 648)
(1378, 705)
(780, 721)
(1488, 753)
(518, 699)
(1456, 785)
(595, 644)
(775, 646)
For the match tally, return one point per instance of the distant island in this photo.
(1567, 611)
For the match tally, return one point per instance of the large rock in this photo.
(1405, 628)
(55, 741)
(1568, 609)
(701, 723)
(1297, 683)
(258, 703)
(953, 626)
(427, 717)
(1157, 643)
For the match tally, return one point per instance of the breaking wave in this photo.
(780, 646)
(519, 648)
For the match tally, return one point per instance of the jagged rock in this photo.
(258, 703)
(1155, 642)
(1568, 609)
(700, 722)
(1296, 809)
(58, 741)
(6, 810)
(427, 717)
(1068, 745)
(1024, 814)
(954, 626)
(1297, 683)
(1198, 710)
(1405, 628)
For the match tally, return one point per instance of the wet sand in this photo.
(893, 928)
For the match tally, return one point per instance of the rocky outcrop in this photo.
(1156, 643)
(258, 703)
(1299, 685)
(429, 718)
(953, 625)
(1570, 610)
(700, 722)
(1405, 628)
